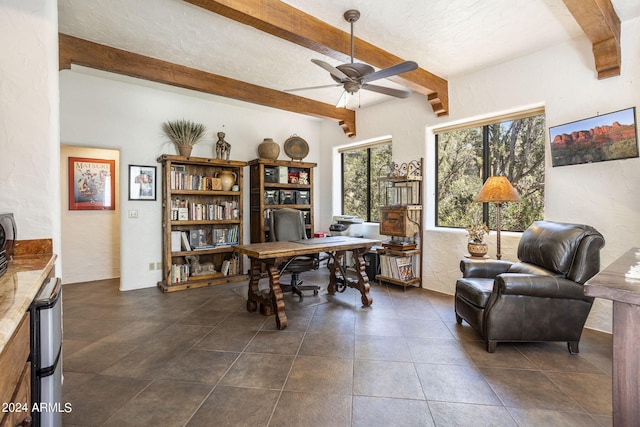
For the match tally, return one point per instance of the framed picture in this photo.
(142, 182)
(91, 184)
(610, 136)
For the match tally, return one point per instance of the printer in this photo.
(346, 225)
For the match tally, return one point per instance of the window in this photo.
(361, 167)
(508, 146)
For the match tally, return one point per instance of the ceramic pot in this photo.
(227, 179)
(268, 149)
(477, 249)
(185, 150)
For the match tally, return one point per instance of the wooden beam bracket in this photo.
(601, 24)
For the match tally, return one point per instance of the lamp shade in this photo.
(497, 189)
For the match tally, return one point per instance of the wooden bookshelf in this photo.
(199, 212)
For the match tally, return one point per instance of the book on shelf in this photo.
(405, 268)
(176, 238)
(396, 267)
(198, 239)
(225, 267)
(225, 236)
(399, 246)
(185, 241)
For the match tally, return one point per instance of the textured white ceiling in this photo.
(445, 37)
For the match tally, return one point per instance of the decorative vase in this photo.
(268, 149)
(185, 150)
(477, 249)
(227, 179)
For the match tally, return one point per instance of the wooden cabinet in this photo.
(15, 381)
(401, 218)
(201, 220)
(277, 184)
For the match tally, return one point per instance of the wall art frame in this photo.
(611, 136)
(91, 184)
(142, 182)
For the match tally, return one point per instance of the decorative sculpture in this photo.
(223, 148)
(197, 268)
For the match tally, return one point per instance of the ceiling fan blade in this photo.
(387, 91)
(332, 70)
(344, 98)
(400, 68)
(312, 87)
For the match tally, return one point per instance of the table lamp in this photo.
(498, 189)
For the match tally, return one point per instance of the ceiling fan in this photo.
(355, 76)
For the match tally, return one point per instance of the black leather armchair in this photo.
(539, 298)
(287, 224)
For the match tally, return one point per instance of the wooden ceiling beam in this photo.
(284, 21)
(601, 24)
(73, 50)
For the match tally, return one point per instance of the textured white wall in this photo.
(29, 117)
(100, 110)
(561, 78)
(90, 239)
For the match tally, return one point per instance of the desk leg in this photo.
(338, 280)
(363, 279)
(277, 299)
(273, 299)
(334, 277)
(626, 372)
(254, 296)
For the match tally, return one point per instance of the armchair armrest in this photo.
(539, 286)
(485, 268)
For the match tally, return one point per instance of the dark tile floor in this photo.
(198, 358)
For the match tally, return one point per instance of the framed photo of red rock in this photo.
(611, 136)
(91, 184)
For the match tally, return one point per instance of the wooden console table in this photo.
(612, 284)
(273, 253)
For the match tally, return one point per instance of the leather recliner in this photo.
(539, 298)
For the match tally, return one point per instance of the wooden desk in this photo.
(611, 284)
(273, 253)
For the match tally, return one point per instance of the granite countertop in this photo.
(18, 287)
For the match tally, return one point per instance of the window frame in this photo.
(484, 124)
(370, 185)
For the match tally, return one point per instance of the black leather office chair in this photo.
(288, 225)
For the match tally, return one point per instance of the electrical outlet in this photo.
(152, 266)
(133, 214)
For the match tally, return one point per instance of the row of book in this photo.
(182, 210)
(201, 238)
(180, 180)
(229, 267)
(396, 267)
(179, 273)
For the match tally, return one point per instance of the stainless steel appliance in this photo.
(7, 240)
(46, 355)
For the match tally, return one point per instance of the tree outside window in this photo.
(466, 157)
(361, 169)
